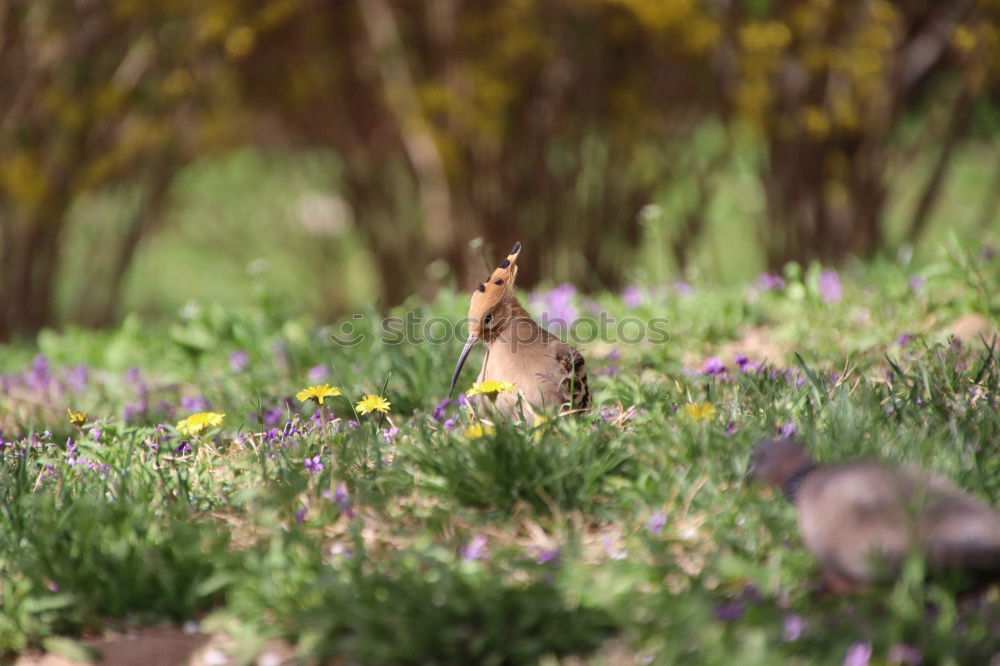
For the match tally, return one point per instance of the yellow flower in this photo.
(317, 393)
(372, 403)
(76, 418)
(700, 411)
(195, 423)
(477, 430)
(492, 386)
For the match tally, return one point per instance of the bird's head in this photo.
(491, 307)
(774, 461)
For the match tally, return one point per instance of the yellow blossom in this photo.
(372, 403)
(477, 430)
(76, 418)
(196, 423)
(492, 386)
(700, 411)
(317, 393)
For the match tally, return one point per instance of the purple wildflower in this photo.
(612, 550)
(917, 282)
(183, 447)
(829, 286)
(904, 339)
(272, 416)
(78, 377)
(768, 281)
(290, 430)
(134, 410)
(132, 375)
(858, 654)
(608, 371)
(300, 515)
(557, 305)
(314, 465)
(793, 627)
(96, 434)
(656, 522)
(389, 434)
(440, 409)
(682, 287)
(462, 400)
(317, 373)
(194, 403)
(549, 555)
(71, 452)
(343, 500)
(632, 296)
(745, 364)
(731, 427)
(728, 611)
(239, 360)
(902, 653)
(474, 549)
(449, 424)
(714, 367)
(353, 423)
(40, 375)
(787, 430)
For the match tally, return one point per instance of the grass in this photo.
(622, 536)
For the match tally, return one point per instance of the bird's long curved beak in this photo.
(469, 344)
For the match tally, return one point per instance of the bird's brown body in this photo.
(547, 373)
(862, 519)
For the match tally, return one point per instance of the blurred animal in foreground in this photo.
(861, 519)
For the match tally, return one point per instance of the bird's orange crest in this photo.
(498, 285)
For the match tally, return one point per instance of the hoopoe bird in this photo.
(547, 373)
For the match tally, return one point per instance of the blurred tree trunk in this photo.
(29, 256)
(98, 303)
(96, 94)
(814, 214)
(458, 121)
(961, 113)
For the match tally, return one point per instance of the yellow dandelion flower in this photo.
(700, 411)
(317, 393)
(76, 418)
(372, 403)
(477, 430)
(491, 387)
(196, 423)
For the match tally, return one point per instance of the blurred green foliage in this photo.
(430, 127)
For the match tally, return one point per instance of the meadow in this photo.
(420, 535)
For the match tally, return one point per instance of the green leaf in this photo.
(70, 649)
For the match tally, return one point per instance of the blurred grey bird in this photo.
(861, 519)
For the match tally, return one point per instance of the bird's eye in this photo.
(488, 319)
